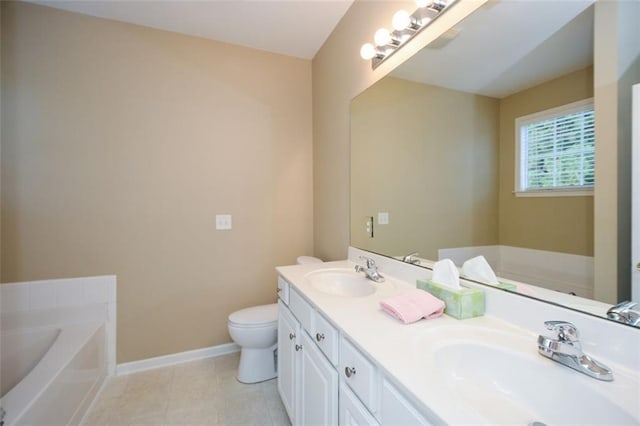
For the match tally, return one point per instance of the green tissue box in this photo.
(460, 304)
(507, 286)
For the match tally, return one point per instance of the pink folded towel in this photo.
(413, 305)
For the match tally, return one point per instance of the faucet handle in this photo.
(625, 313)
(409, 258)
(370, 262)
(566, 331)
(622, 307)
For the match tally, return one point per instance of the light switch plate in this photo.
(383, 218)
(223, 222)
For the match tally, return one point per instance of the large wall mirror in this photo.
(433, 150)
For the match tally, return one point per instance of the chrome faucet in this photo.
(567, 350)
(371, 270)
(623, 312)
(411, 258)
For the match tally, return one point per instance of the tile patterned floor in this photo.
(203, 392)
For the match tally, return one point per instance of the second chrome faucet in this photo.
(567, 350)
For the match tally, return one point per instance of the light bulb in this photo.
(382, 37)
(401, 20)
(367, 51)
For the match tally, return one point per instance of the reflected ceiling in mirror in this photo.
(506, 47)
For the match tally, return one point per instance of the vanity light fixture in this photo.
(405, 26)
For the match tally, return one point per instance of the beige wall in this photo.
(120, 144)
(561, 224)
(426, 155)
(339, 74)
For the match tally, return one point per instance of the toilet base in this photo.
(257, 365)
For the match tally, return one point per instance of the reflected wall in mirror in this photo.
(433, 147)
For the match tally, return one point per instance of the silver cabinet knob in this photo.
(349, 371)
(298, 347)
(319, 337)
(292, 336)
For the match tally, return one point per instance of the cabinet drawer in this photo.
(283, 290)
(301, 309)
(326, 336)
(358, 372)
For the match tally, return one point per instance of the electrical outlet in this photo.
(223, 222)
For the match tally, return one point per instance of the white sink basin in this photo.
(341, 282)
(501, 378)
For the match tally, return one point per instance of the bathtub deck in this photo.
(202, 392)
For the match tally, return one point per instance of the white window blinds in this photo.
(556, 149)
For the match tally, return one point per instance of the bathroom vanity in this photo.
(342, 360)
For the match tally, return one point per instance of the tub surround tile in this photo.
(96, 290)
(58, 293)
(70, 293)
(15, 298)
(42, 295)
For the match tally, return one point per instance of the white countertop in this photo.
(405, 353)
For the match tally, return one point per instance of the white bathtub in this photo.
(61, 385)
(57, 345)
(21, 351)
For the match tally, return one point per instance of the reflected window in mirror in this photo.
(555, 151)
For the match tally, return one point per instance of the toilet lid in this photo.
(256, 315)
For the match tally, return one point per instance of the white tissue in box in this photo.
(446, 274)
(478, 269)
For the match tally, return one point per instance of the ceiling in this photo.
(507, 46)
(295, 28)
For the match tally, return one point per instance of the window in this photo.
(555, 151)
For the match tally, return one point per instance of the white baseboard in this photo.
(173, 359)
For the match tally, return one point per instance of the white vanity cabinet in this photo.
(307, 381)
(325, 379)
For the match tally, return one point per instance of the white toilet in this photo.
(255, 330)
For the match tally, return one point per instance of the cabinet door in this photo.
(352, 411)
(288, 335)
(318, 387)
(397, 410)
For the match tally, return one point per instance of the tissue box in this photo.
(461, 304)
(507, 286)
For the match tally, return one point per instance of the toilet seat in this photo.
(255, 317)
